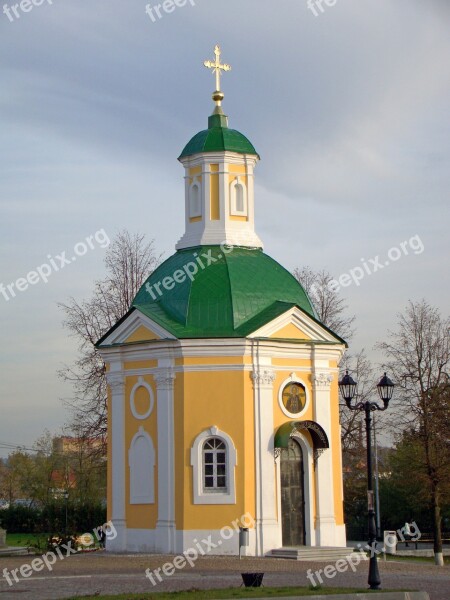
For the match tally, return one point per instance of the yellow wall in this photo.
(142, 334)
(237, 169)
(215, 198)
(197, 398)
(292, 362)
(292, 332)
(203, 392)
(140, 515)
(210, 360)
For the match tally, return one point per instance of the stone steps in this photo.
(312, 553)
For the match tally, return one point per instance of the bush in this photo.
(80, 518)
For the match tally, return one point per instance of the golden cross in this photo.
(217, 67)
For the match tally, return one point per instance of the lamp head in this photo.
(347, 387)
(385, 389)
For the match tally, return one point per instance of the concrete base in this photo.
(314, 553)
(365, 596)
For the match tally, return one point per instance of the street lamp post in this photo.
(347, 387)
(377, 481)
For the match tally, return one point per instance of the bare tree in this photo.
(129, 260)
(418, 355)
(330, 307)
(351, 421)
(331, 311)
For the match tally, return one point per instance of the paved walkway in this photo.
(7, 550)
(105, 573)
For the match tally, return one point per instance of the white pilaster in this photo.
(268, 531)
(165, 525)
(116, 382)
(223, 191)
(325, 519)
(206, 198)
(250, 166)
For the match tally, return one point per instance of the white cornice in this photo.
(236, 158)
(167, 349)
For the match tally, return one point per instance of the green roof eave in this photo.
(218, 139)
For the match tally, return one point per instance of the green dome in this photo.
(218, 138)
(228, 295)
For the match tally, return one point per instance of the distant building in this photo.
(68, 445)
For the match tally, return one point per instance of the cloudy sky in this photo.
(348, 109)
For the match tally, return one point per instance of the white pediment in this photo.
(300, 326)
(136, 324)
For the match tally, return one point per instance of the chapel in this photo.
(222, 382)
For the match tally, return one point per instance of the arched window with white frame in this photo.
(141, 461)
(195, 205)
(239, 191)
(214, 465)
(213, 458)
(238, 198)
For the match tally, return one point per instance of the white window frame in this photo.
(215, 489)
(143, 470)
(141, 383)
(216, 495)
(233, 198)
(195, 213)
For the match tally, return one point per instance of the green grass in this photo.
(195, 594)
(27, 540)
(418, 559)
(37, 541)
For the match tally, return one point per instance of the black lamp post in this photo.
(347, 387)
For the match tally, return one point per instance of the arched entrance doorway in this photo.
(292, 494)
